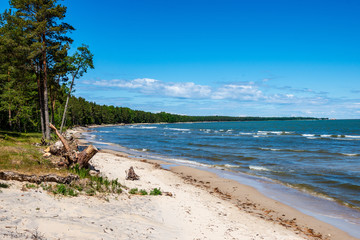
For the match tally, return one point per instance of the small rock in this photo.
(47, 155)
(93, 173)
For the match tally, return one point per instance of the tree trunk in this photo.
(10, 116)
(85, 156)
(9, 103)
(67, 102)
(7, 175)
(40, 94)
(46, 99)
(64, 114)
(52, 104)
(62, 139)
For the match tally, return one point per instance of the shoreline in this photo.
(280, 210)
(249, 200)
(194, 204)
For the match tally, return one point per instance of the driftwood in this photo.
(37, 179)
(84, 157)
(62, 139)
(131, 175)
(71, 155)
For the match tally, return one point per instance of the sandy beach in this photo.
(194, 205)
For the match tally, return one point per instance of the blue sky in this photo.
(237, 58)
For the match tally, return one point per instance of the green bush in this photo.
(4, 185)
(143, 192)
(155, 192)
(133, 191)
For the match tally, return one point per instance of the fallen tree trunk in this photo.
(72, 156)
(62, 139)
(7, 175)
(84, 157)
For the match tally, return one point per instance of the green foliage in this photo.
(4, 185)
(133, 191)
(65, 190)
(138, 192)
(155, 192)
(29, 186)
(81, 172)
(143, 192)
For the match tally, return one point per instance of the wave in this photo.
(178, 129)
(352, 136)
(226, 166)
(143, 127)
(275, 133)
(271, 149)
(307, 135)
(350, 154)
(258, 168)
(309, 151)
(331, 136)
(246, 133)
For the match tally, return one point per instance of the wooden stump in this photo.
(131, 175)
(84, 157)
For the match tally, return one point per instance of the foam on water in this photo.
(258, 168)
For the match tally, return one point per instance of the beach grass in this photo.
(19, 153)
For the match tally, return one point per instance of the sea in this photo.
(317, 160)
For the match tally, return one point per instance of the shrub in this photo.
(4, 185)
(143, 192)
(133, 191)
(155, 192)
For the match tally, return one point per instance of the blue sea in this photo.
(320, 157)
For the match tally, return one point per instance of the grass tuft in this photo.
(155, 192)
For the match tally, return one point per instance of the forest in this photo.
(37, 75)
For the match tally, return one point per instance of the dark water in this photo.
(320, 157)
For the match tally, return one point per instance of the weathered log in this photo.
(131, 175)
(72, 156)
(62, 139)
(84, 157)
(7, 175)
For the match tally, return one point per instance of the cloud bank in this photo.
(237, 98)
(249, 91)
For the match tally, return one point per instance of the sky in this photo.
(224, 57)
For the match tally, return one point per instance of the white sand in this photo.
(191, 213)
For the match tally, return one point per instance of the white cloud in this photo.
(248, 91)
(156, 87)
(241, 92)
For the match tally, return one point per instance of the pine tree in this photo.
(41, 20)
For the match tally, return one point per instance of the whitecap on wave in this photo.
(258, 168)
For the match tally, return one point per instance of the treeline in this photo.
(36, 70)
(82, 112)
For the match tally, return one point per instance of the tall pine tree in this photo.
(41, 20)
